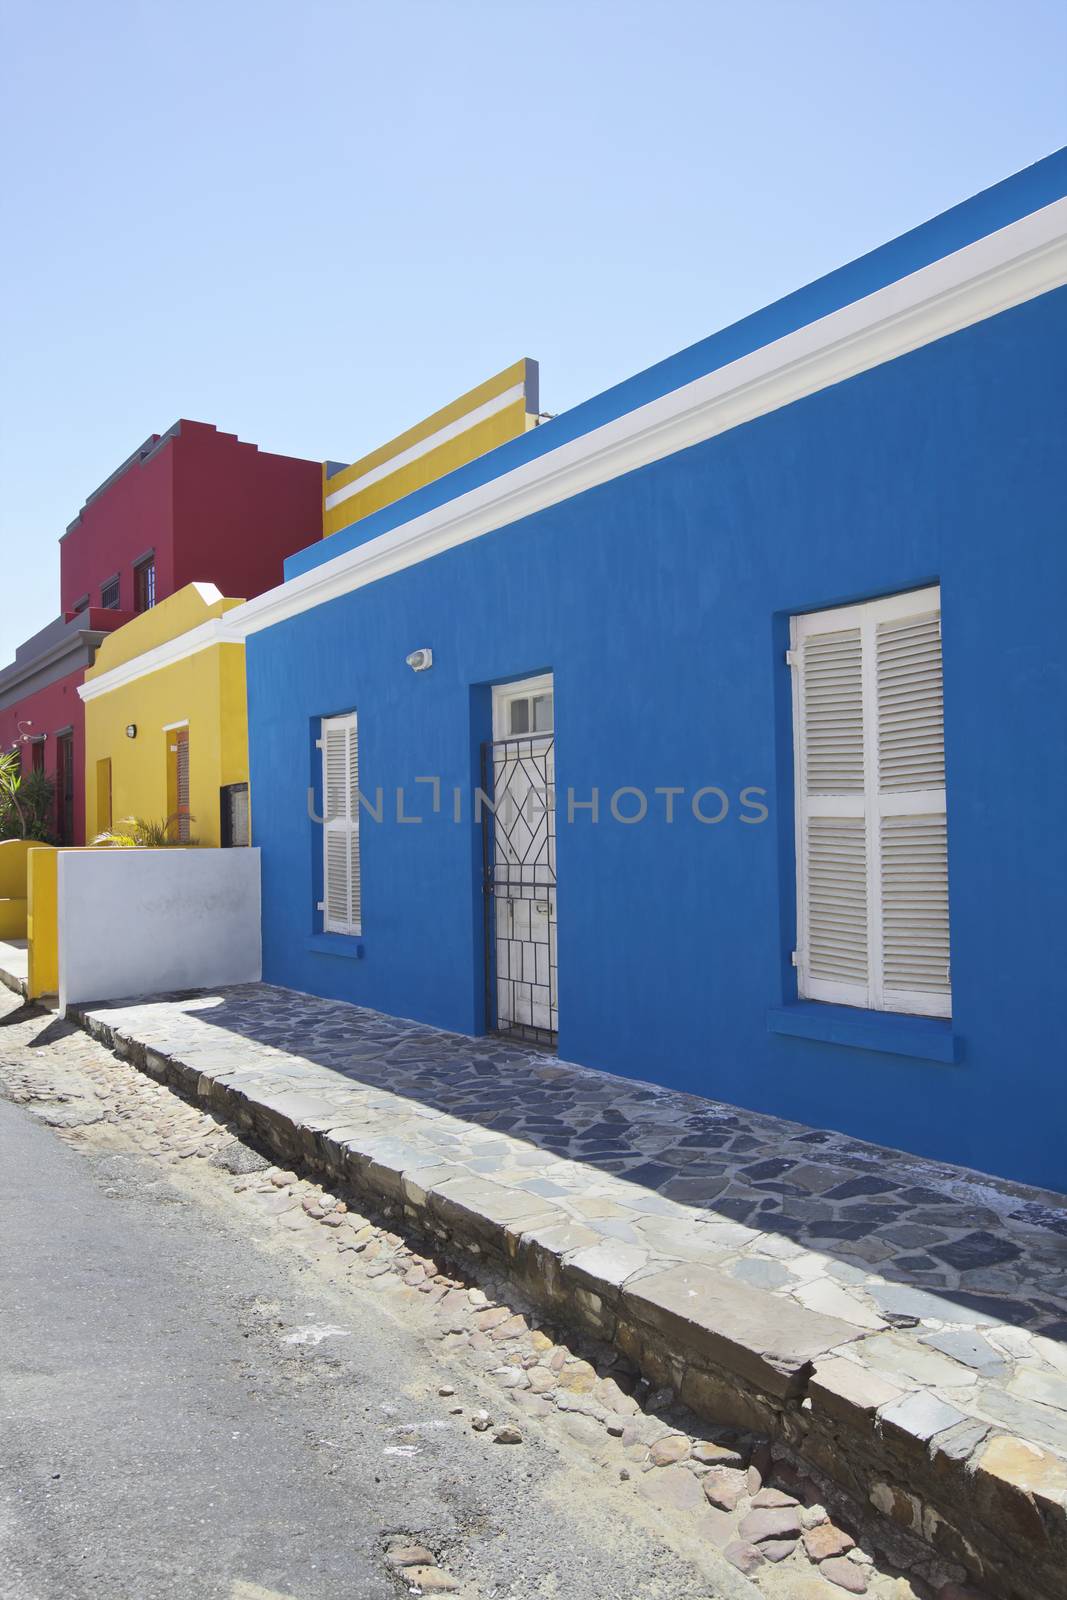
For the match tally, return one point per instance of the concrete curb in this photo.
(994, 1504)
(16, 985)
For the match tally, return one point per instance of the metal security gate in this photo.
(519, 864)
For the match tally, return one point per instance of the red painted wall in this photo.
(239, 511)
(56, 706)
(213, 509)
(132, 515)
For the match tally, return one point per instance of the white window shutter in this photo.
(913, 853)
(355, 904)
(872, 854)
(340, 830)
(832, 955)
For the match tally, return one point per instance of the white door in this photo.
(522, 861)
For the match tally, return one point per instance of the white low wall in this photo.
(136, 922)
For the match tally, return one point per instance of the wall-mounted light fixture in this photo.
(131, 730)
(419, 660)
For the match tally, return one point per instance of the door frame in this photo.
(538, 887)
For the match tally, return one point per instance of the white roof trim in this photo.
(190, 643)
(1016, 263)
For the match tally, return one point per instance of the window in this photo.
(37, 755)
(527, 712)
(144, 584)
(872, 848)
(109, 594)
(234, 821)
(340, 902)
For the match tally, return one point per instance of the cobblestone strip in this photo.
(556, 1176)
(787, 1527)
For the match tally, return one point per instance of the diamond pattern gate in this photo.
(519, 863)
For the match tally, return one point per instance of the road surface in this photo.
(161, 1435)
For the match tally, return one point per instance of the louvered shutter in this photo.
(832, 829)
(340, 830)
(872, 859)
(182, 784)
(913, 836)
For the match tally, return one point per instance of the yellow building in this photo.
(166, 728)
(502, 408)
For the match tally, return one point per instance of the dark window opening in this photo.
(234, 826)
(37, 755)
(65, 788)
(144, 585)
(109, 595)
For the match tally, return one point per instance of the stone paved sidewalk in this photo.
(949, 1289)
(963, 1279)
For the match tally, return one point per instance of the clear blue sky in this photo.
(314, 223)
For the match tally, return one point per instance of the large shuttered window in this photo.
(340, 904)
(872, 848)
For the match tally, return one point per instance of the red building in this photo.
(189, 505)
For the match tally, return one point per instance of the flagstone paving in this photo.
(958, 1281)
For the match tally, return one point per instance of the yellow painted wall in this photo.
(508, 423)
(42, 923)
(187, 608)
(206, 690)
(14, 867)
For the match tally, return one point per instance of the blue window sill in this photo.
(336, 944)
(891, 1032)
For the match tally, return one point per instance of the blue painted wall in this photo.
(660, 601)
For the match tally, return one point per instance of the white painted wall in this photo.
(140, 921)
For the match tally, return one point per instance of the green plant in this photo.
(37, 798)
(140, 833)
(25, 801)
(12, 821)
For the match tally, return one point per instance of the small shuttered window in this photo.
(340, 903)
(872, 844)
(181, 751)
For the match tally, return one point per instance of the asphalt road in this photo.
(159, 1438)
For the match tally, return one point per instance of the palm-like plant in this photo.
(10, 784)
(37, 800)
(26, 801)
(141, 833)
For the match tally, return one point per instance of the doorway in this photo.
(65, 788)
(178, 814)
(519, 858)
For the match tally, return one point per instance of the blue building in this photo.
(760, 659)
